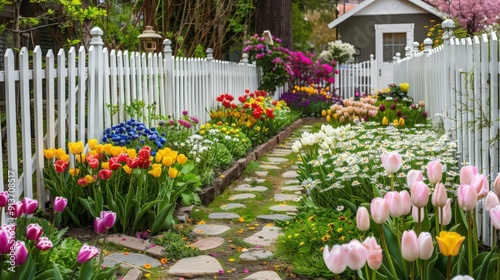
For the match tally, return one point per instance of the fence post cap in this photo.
(210, 52)
(96, 34)
(427, 44)
(167, 45)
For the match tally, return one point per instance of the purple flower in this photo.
(381, 108)
(87, 253)
(185, 112)
(20, 253)
(424, 114)
(393, 107)
(194, 119)
(4, 198)
(399, 113)
(44, 244)
(99, 226)
(33, 232)
(30, 205)
(413, 106)
(184, 123)
(16, 209)
(5, 240)
(59, 204)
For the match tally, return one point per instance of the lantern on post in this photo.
(148, 39)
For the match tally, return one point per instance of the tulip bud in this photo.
(334, 259)
(355, 254)
(5, 240)
(446, 219)
(409, 246)
(30, 205)
(362, 219)
(496, 185)
(405, 195)
(4, 198)
(385, 121)
(374, 257)
(480, 183)
(392, 162)
(434, 172)
(108, 218)
(87, 253)
(467, 197)
(426, 246)
(419, 194)
(495, 217)
(412, 177)
(439, 196)
(16, 209)
(99, 226)
(491, 201)
(59, 204)
(396, 204)
(33, 232)
(414, 214)
(379, 209)
(20, 253)
(466, 174)
(44, 244)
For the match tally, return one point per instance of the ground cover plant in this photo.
(310, 100)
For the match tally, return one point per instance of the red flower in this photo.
(145, 153)
(219, 98)
(122, 157)
(270, 113)
(229, 97)
(93, 162)
(105, 174)
(246, 105)
(82, 182)
(242, 98)
(114, 164)
(247, 90)
(60, 166)
(226, 103)
(257, 113)
(132, 163)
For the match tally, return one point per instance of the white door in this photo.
(389, 40)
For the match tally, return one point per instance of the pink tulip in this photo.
(379, 209)
(4, 198)
(466, 174)
(59, 204)
(434, 172)
(355, 254)
(20, 253)
(44, 244)
(405, 195)
(412, 177)
(99, 226)
(30, 205)
(467, 197)
(6, 240)
(446, 219)
(108, 219)
(419, 194)
(374, 257)
(334, 259)
(491, 201)
(392, 162)
(362, 219)
(480, 183)
(33, 232)
(439, 196)
(495, 217)
(496, 185)
(426, 246)
(414, 214)
(86, 253)
(409, 246)
(16, 209)
(396, 204)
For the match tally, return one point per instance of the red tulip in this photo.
(466, 174)
(419, 194)
(467, 197)
(30, 205)
(20, 253)
(122, 157)
(132, 163)
(392, 162)
(60, 166)
(87, 253)
(59, 204)
(334, 259)
(44, 244)
(114, 163)
(105, 174)
(33, 232)
(93, 162)
(409, 246)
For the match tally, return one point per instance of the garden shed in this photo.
(383, 28)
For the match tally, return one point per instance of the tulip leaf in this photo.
(485, 267)
(57, 274)
(147, 206)
(436, 275)
(89, 204)
(106, 273)
(349, 204)
(164, 216)
(86, 270)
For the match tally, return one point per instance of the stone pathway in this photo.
(275, 168)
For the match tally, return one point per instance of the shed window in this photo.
(393, 43)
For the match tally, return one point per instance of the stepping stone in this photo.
(292, 182)
(277, 159)
(292, 188)
(242, 196)
(268, 166)
(294, 167)
(223, 215)
(230, 206)
(256, 255)
(130, 260)
(250, 188)
(210, 229)
(129, 242)
(283, 208)
(290, 174)
(258, 180)
(274, 217)
(266, 237)
(261, 173)
(285, 197)
(196, 266)
(267, 275)
(208, 243)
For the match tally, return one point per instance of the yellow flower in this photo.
(49, 153)
(75, 147)
(92, 143)
(395, 122)
(301, 243)
(404, 87)
(181, 159)
(65, 157)
(241, 219)
(231, 259)
(99, 148)
(449, 243)
(127, 169)
(401, 121)
(60, 153)
(89, 179)
(173, 172)
(168, 160)
(385, 121)
(163, 261)
(80, 158)
(116, 150)
(156, 172)
(105, 165)
(323, 113)
(73, 171)
(132, 153)
(147, 266)
(328, 118)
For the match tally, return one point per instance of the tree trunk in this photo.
(275, 16)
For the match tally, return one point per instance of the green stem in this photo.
(438, 224)
(367, 272)
(498, 265)
(419, 221)
(388, 255)
(1, 266)
(102, 252)
(74, 270)
(412, 270)
(374, 274)
(448, 268)
(392, 181)
(422, 268)
(469, 242)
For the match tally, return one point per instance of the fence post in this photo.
(210, 80)
(95, 122)
(427, 49)
(415, 47)
(448, 114)
(169, 76)
(246, 79)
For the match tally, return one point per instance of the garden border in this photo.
(234, 172)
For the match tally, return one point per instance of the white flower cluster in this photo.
(198, 146)
(339, 52)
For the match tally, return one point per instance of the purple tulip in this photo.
(99, 226)
(33, 232)
(399, 113)
(4, 199)
(6, 240)
(393, 107)
(44, 244)
(16, 209)
(87, 253)
(424, 115)
(20, 253)
(381, 108)
(108, 219)
(30, 205)
(59, 204)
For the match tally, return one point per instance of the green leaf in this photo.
(147, 206)
(89, 205)
(483, 266)
(106, 273)
(57, 273)
(86, 270)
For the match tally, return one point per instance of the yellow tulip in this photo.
(99, 148)
(156, 172)
(323, 113)
(64, 157)
(328, 118)
(49, 153)
(75, 147)
(59, 153)
(127, 169)
(395, 122)
(168, 160)
(73, 171)
(449, 243)
(159, 156)
(105, 165)
(385, 121)
(329, 112)
(404, 87)
(132, 153)
(181, 159)
(173, 172)
(92, 143)
(89, 179)
(80, 158)
(116, 150)
(401, 121)
(108, 149)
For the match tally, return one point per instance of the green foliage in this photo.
(301, 30)
(176, 247)
(64, 256)
(199, 52)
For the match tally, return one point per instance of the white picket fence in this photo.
(63, 97)
(354, 77)
(459, 81)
